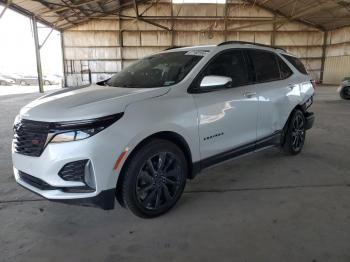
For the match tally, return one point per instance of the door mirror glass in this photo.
(214, 82)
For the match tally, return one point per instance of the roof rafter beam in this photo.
(66, 7)
(278, 13)
(284, 4)
(27, 13)
(136, 7)
(309, 9)
(149, 7)
(50, 6)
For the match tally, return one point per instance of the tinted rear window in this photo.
(265, 65)
(296, 63)
(284, 68)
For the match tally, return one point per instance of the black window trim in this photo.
(192, 89)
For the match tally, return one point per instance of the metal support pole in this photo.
(63, 61)
(37, 53)
(273, 35)
(5, 8)
(3, 12)
(172, 24)
(226, 10)
(323, 60)
(47, 37)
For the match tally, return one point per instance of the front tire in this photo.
(154, 178)
(295, 133)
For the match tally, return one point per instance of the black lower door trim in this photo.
(271, 140)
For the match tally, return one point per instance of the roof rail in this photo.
(173, 47)
(250, 43)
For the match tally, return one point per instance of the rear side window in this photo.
(284, 68)
(296, 63)
(265, 65)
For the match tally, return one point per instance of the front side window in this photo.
(229, 64)
(265, 65)
(158, 70)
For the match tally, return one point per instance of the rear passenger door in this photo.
(227, 116)
(275, 90)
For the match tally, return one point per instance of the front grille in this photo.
(30, 137)
(73, 171)
(35, 182)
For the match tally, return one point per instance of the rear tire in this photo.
(154, 178)
(295, 133)
(345, 93)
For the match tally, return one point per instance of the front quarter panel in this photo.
(172, 112)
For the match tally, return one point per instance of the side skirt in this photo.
(266, 142)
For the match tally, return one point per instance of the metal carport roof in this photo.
(63, 14)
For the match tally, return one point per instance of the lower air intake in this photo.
(74, 171)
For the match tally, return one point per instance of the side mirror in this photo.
(215, 82)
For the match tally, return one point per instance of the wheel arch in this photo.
(170, 136)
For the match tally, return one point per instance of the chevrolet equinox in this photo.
(138, 136)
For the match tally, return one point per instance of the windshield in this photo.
(158, 70)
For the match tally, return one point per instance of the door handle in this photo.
(249, 94)
(291, 86)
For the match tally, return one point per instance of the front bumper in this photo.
(104, 199)
(98, 150)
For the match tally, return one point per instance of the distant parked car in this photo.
(53, 79)
(6, 81)
(344, 89)
(33, 80)
(14, 77)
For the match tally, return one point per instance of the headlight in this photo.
(81, 129)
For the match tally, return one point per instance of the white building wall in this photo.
(337, 64)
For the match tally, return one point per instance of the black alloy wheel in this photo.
(158, 181)
(295, 133)
(154, 178)
(298, 132)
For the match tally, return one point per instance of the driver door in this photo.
(227, 116)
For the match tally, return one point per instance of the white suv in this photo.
(139, 135)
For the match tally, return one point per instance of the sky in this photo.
(17, 52)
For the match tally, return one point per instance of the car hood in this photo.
(86, 102)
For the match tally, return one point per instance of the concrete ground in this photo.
(263, 207)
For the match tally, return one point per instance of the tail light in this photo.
(314, 84)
